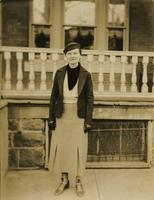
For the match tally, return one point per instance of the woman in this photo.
(70, 115)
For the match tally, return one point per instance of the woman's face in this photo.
(73, 56)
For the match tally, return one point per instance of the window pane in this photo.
(83, 35)
(41, 11)
(115, 39)
(79, 17)
(80, 12)
(42, 36)
(116, 13)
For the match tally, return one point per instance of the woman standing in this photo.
(70, 114)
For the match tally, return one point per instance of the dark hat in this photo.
(70, 46)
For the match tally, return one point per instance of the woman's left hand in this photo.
(87, 127)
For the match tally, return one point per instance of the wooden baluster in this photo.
(7, 84)
(19, 85)
(123, 75)
(111, 79)
(31, 85)
(145, 78)
(54, 58)
(100, 77)
(134, 75)
(43, 85)
(90, 59)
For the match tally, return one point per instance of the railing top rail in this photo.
(87, 52)
(30, 49)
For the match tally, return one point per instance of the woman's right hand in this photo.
(52, 125)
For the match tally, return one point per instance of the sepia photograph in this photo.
(76, 99)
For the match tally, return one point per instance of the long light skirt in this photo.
(68, 150)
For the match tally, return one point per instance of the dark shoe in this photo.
(60, 189)
(79, 189)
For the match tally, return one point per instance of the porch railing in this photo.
(28, 72)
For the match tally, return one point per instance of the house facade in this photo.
(117, 43)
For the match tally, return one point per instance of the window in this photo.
(95, 24)
(41, 23)
(116, 140)
(79, 27)
(116, 24)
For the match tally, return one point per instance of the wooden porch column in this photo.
(0, 23)
(101, 43)
(0, 45)
(57, 24)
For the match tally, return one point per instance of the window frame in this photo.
(125, 28)
(77, 25)
(32, 24)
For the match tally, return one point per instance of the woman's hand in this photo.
(52, 125)
(87, 127)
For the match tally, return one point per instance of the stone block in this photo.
(28, 139)
(13, 124)
(13, 158)
(31, 157)
(32, 124)
(124, 112)
(28, 110)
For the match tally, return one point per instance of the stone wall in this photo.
(3, 146)
(26, 137)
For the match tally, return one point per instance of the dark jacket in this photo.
(85, 95)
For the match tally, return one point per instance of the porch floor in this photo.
(101, 184)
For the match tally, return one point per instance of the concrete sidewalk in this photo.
(103, 184)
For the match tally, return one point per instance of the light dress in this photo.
(68, 152)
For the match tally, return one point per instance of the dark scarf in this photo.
(73, 75)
